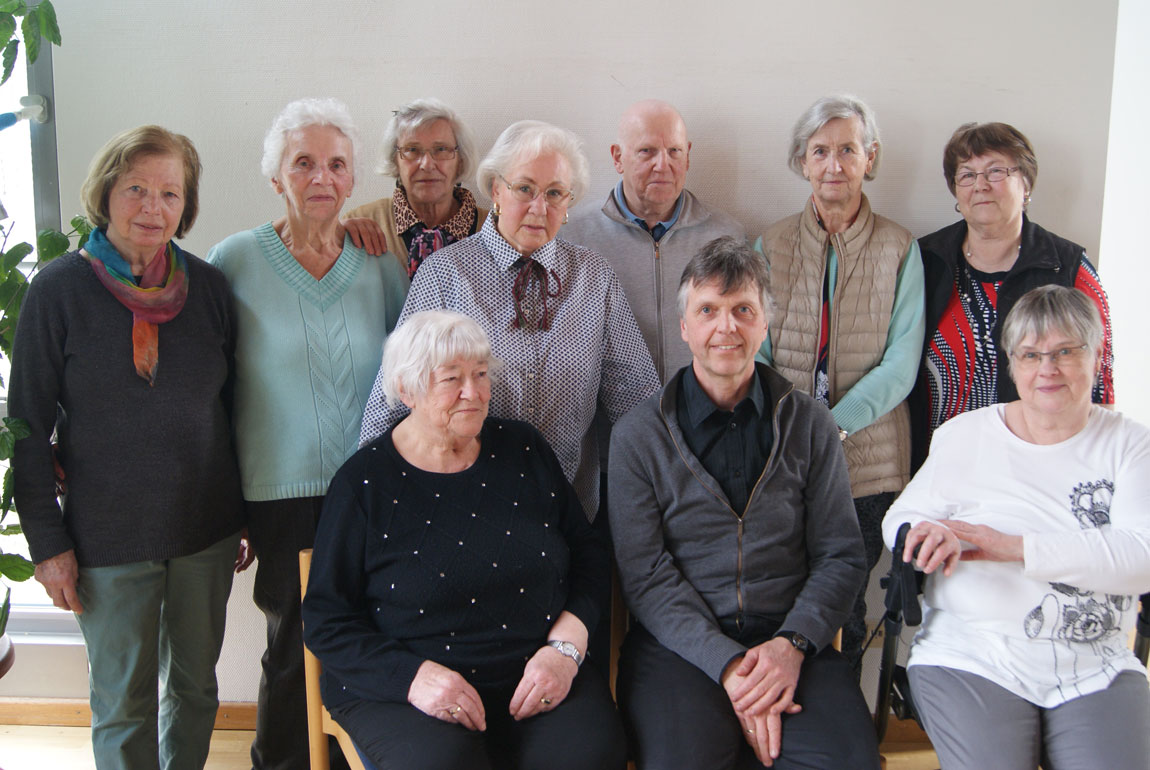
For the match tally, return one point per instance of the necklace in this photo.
(969, 252)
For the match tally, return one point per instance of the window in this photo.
(29, 193)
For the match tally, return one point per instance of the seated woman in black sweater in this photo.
(451, 588)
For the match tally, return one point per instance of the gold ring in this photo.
(750, 732)
(455, 710)
(545, 701)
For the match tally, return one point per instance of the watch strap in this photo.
(567, 648)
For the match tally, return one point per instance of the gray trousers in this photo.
(974, 723)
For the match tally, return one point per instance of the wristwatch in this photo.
(567, 648)
(798, 641)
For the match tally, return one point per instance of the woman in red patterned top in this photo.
(977, 268)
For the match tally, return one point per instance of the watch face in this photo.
(800, 642)
(567, 648)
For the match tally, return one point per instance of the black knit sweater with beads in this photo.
(468, 569)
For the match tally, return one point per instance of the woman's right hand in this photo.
(366, 234)
(442, 693)
(58, 575)
(937, 546)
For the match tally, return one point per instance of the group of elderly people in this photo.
(770, 404)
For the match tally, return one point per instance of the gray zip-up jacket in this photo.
(688, 560)
(649, 270)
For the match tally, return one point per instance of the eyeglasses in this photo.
(1032, 359)
(439, 152)
(996, 174)
(525, 192)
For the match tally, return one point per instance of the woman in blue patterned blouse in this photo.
(454, 579)
(554, 312)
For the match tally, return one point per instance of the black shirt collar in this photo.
(700, 406)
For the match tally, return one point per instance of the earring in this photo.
(956, 207)
(495, 209)
(566, 217)
(1026, 201)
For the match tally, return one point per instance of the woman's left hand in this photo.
(246, 553)
(989, 544)
(547, 679)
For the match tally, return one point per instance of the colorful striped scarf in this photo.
(157, 299)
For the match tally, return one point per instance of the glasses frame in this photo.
(451, 153)
(1069, 351)
(958, 177)
(568, 198)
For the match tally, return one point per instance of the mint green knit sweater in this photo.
(307, 355)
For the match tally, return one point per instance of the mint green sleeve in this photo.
(395, 288)
(884, 387)
(764, 354)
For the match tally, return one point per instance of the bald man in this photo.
(650, 226)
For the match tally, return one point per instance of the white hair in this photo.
(822, 112)
(526, 141)
(413, 116)
(300, 114)
(426, 341)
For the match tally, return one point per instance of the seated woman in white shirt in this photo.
(1032, 519)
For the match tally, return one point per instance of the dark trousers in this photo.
(678, 717)
(870, 510)
(581, 733)
(599, 642)
(279, 530)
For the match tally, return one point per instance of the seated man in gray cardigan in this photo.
(738, 549)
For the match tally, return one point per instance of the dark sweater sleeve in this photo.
(835, 557)
(590, 564)
(33, 395)
(357, 657)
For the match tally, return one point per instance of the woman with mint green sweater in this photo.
(313, 313)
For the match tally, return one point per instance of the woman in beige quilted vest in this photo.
(428, 150)
(849, 326)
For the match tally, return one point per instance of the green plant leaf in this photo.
(14, 256)
(7, 26)
(11, 529)
(8, 59)
(5, 605)
(6, 501)
(51, 244)
(17, 7)
(7, 444)
(15, 567)
(17, 427)
(48, 26)
(12, 291)
(31, 29)
(81, 225)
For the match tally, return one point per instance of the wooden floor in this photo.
(69, 748)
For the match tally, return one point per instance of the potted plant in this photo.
(30, 26)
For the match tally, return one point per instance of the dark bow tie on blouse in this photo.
(534, 284)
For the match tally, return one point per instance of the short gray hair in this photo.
(526, 141)
(732, 263)
(413, 116)
(426, 341)
(825, 110)
(1049, 309)
(300, 114)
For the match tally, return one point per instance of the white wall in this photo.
(1126, 272)
(739, 71)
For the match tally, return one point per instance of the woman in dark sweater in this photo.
(124, 352)
(454, 572)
